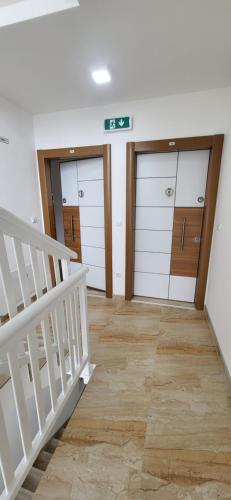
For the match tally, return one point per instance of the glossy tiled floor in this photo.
(155, 420)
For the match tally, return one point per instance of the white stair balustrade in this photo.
(25, 257)
(49, 335)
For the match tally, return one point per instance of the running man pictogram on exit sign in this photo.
(116, 124)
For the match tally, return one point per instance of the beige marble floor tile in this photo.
(187, 466)
(189, 430)
(154, 423)
(154, 488)
(91, 473)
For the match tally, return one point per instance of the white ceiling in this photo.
(151, 47)
(3, 3)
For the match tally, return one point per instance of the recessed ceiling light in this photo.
(101, 76)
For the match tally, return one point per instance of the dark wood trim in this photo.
(107, 218)
(180, 144)
(77, 153)
(212, 142)
(130, 220)
(46, 195)
(72, 152)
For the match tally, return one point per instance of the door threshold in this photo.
(164, 302)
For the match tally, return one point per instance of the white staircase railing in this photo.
(49, 335)
(25, 263)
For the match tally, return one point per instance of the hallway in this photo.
(155, 420)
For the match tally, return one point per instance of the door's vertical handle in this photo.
(72, 228)
(183, 234)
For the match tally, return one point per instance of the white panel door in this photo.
(152, 192)
(156, 174)
(153, 241)
(68, 171)
(96, 277)
(85, 177)
(152, 262)
(91, 187)
(90, 169)
(154, 218)
(157, 165)
(191, 178)
(182, 288)
(93, 256)
(91, 193)
(151, 285)
(92, 216)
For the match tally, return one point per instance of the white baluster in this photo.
(74, 328)
(84, 328)
(47, 270)
(84, 318)
(58, 321)
(5, 454)
(20, 402)
(7, 280)
(23, 278)
(66, 268)
(39, 397)
(70, 336)
(78, 324)
(50, 361)
(36, 271)
(57, 270)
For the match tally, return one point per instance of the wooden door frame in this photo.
(214, 143)
(78, 153)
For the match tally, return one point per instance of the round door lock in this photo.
(200, 199)
(169, 192)
(196, 239)
(64, 200)
(81, 193)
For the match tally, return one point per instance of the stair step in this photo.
(24, 494)
(32, 480)
(52, 445)
(59, 433)
(42, 460)
(65, 423)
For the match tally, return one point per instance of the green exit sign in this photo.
(116, 124)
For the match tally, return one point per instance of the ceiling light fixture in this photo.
(24, 10)
(101, 76)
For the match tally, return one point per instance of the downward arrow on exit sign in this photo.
(116, 124)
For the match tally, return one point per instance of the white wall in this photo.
(200, 113)
(218, 299)
(19, 190)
